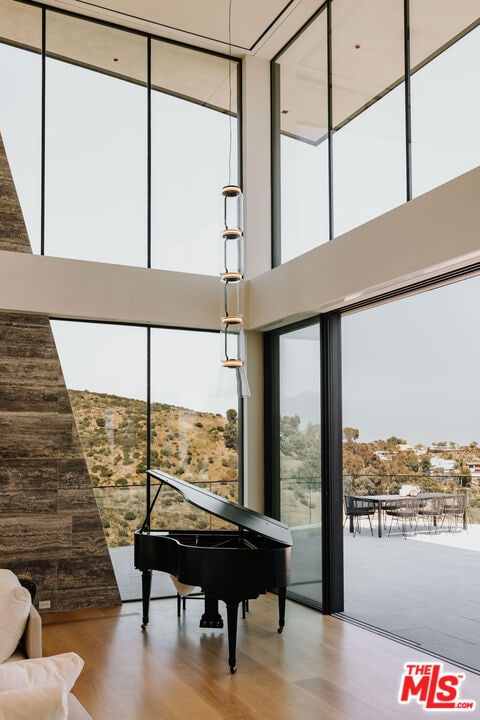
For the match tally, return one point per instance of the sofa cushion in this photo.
(76, 711)
(15, 602)
(41, 672)
(34, 703)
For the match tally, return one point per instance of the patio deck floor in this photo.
(425, 589)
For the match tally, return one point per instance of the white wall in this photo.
(423, 238)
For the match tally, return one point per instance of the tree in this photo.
(425, 465)
(230, 434)
(394, 440)
(351, 433)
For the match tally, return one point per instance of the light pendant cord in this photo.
(230, 92)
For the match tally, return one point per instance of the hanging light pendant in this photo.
(231, 277)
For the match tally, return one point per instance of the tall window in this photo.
(140, 136)
(446, 114)
(96, 149)
(194, 424)
(194, 154)
(105, 370)
(21, 107)
(299, 451)
(193, 427)
(411, 417)
(369, 139)
(389, 140)
(301, 84)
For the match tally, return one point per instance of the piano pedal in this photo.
(208, 623)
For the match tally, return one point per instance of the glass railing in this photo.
(122, 511)
(300, 497)
(391, 484)
(123, 508)
(300, 501)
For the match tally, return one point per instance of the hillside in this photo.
(195, 446)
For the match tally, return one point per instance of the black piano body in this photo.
(228, 565)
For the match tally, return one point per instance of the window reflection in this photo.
(303, 151)
(369, 142)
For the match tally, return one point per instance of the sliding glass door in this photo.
(299, 456)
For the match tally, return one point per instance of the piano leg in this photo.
(282, 596)
(211, 618)
(146, 590)
(232, 617)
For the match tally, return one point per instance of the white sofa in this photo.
(26, 659)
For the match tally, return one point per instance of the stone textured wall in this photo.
(49, 523)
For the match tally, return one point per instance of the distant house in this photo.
(440, 448)
(442, 465)
(384, 455)
(474, 467)
(418, 450)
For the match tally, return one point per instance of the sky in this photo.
(112, 359)
(411, 367)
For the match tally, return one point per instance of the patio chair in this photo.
(404, 511)
(454, 510)
(431, 510)
(356, 509)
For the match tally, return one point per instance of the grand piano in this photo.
(230, 565)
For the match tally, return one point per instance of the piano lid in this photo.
(226, 509)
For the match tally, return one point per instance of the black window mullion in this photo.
(276, 164)
(408, 113)
(330, 122)
(149, 151)
(331, 466)
(272, 424)
(148, 420)
(42, 131)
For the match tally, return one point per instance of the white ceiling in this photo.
(257, 26)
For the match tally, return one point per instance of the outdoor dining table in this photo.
(381, 500)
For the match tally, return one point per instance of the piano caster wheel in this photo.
(144, 626)
(233, 670)
(280, 630)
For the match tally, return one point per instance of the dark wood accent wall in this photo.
(49, 523)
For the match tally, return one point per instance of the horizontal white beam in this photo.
(84, 290)
(434, 233)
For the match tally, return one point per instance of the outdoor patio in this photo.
(424, 588)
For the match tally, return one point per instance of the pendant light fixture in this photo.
(232, 317)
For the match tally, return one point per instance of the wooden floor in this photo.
(319, 668)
